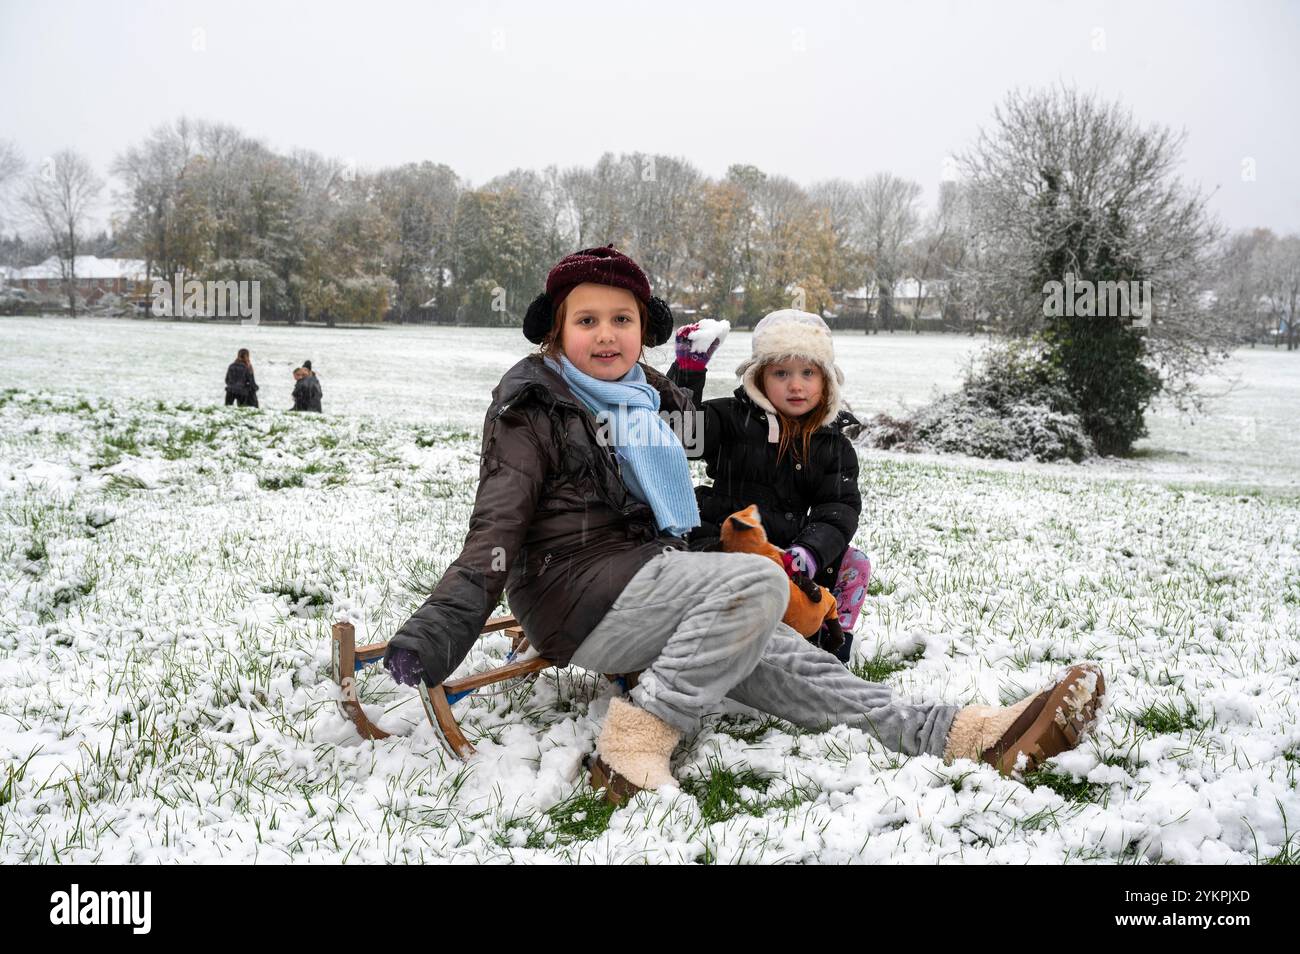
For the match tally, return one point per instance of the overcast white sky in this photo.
(806, 89)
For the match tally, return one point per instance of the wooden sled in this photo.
(348, 659)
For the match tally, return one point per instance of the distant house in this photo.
(909, 294)
(95, 277)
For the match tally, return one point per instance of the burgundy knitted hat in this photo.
(602, 266)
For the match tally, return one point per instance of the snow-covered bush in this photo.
(1013, 405)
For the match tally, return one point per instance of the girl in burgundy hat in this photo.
(583, 500)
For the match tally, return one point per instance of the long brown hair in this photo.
(552, 346)
(243, 358)
(796, 432)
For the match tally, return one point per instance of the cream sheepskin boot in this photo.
(1020, 737)
(633, 752)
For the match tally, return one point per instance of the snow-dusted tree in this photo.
(660, 194)
(501, 257)
(1063, 183)
(419, 200)
(59, 199)
(645, 204)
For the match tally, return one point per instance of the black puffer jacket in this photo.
(815, 505)
(553, 524)
(240, 384)
(307, 394)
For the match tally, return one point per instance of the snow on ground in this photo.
(445, 376)
(169, 571)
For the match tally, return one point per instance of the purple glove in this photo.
(688, 359)
(404, 666)
(803, 561)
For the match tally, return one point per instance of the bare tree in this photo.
(1279, 285)
(59, 199)
(887, 220)
(840, 259)
(11, 167)
(939, 249)
(154, 176)
(1238, 296)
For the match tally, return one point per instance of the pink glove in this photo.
(801, 561)
(687, 358)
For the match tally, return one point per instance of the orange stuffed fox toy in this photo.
(810, 605)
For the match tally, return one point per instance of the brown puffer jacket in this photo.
(553, 524)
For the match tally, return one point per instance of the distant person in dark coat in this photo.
(314, 388)
(306, 391)
(241, 386)
(300, 389)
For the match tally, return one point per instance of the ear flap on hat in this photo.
(538, 319)
(661, 321)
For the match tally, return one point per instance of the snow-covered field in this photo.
(444, 376)
(169, 569)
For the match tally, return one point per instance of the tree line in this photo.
(418, 242)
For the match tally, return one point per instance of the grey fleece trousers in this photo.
(704, 626)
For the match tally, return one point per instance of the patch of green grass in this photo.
(1289, 855)
(1065, 786)
(334, 468)
(36, 550)
(328, 441)
(300, 591)
(1291, 591)
(81, 406)
(423, 573)
(280, 481)
(1166, 718)
(13, 775)
(719, 793)
(582, 816)
(882, 665)
(749, 731)
(437, 438)
(69, 592)
(183, 443)
(880, 587)
(123, 443)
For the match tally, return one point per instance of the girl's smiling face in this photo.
(602, 330)
(793, 386)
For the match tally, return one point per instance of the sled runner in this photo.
(348, 659)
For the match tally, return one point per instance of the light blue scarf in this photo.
(651, 456)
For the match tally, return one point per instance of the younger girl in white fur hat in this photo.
(779, 442)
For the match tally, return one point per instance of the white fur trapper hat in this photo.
(792, 334)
